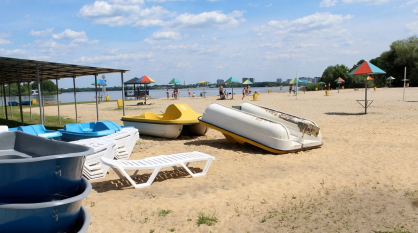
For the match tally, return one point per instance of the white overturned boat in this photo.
(269, 129)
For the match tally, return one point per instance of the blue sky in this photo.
(204, 39)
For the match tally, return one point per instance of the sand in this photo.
(363, 179)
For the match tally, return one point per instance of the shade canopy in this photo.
(174, 81)
(295, 80)
(100, 83)
(340, 80)
(390, 78)
(145, 80)
(305, 81)
(366, 68)
(231, 80)
(247, 82)
(322, 83)
(203, 82)
(369, 78)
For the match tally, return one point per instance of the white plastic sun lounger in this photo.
(156, 163)
(103, 148)
(125, 141)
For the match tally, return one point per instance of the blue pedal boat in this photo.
(73, 132)
(38, 130)
(33, 168)
(61, 214)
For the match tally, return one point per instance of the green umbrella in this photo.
(174, 81)
(232, 80)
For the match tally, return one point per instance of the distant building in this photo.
(220, 81)
(279, 80)
(251, 79)
(288, 80)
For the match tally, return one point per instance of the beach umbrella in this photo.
(366, 68)
(295, 80)
(322, 83)
(174, 81)
(232, 80)
(305, 81)
(247, 82)
(204, 84)
(339, 81)
(145, 80)
(390, 80)
(100, 83)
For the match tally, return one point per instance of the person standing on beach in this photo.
(248, 89)
(168, 93)
(290, 89)
(244, 91)
(188, 92)
(281, 87)
(221, 90)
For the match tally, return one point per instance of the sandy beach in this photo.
(363, 179)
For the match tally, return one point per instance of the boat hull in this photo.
(242, 127)
(170, 131)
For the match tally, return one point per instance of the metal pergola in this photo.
(13, 70)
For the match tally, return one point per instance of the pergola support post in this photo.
(123, 93)
(39, 95)
(30, 101)
(75, 101)
(97, 98)
(4, 98)
(20, 97)
(10, 103)
(58, 102)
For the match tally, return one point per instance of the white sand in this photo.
(363, 179)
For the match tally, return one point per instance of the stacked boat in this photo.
(269, 129)
(42, 185)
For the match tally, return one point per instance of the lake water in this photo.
(68, 97)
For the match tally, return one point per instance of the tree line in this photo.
(402, 53)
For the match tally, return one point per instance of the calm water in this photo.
(114, 95)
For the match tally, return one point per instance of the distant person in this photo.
(226, 94)
(168, 93)
(194, 95)
(188, 91)
(244, 92)
(290, 89)
(222, 97)
(329, 86)
(281, 88)
(221, 90)
(248, 89)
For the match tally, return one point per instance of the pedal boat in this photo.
(73, 132)
(177, 119)
(266, 128)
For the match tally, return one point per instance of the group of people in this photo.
(223, 94)
(176, 93)
(246, 91)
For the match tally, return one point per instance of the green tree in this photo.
(48, 87)
(402, 53)
(331, 73)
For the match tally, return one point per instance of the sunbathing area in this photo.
(362, 178)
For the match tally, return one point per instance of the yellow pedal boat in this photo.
(176, 119)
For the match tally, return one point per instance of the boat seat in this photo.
(74, 128)
(27, 129)
(151, 116)
(156, 163)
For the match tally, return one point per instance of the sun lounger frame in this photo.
(157, 163)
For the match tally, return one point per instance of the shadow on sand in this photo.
(344, 113)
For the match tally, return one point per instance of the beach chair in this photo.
(126, 139)
(103, 148)
(156, 163)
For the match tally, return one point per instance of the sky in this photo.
(195, 40)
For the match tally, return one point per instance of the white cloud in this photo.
(163, 36)
(416, 10)
(206, 20)
(314, 22)
(271, 56)
(272, 45)
(68, 34)
(186, 64)
(269, 5)
(124, 56)
(193, 48)
(328, 3)
(12, 52)
(236, 55)
(4, 41)
(371, 2)
(46, 32)
(412, 27)
(120, 13)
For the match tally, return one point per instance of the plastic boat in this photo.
(34, 168)
(269, 129)
(72, 132)
(177, 118)
(60, 214)
(39, 130)
(12, 103)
